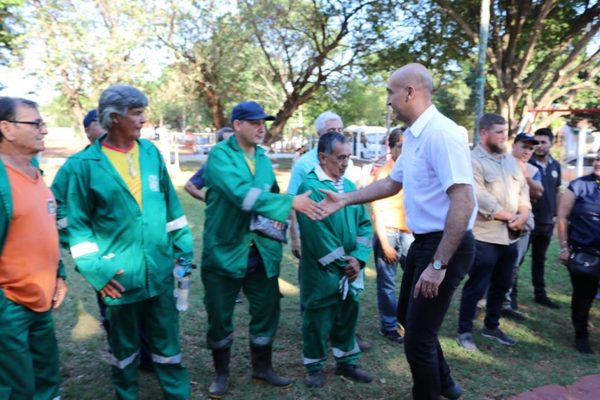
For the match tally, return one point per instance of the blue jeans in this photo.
(386, 276)
(492, 271)
(511, 294)
(422, 318)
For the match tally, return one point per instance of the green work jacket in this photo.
(325, 243)
(60, 186)
(108, 232)
(233, 194)
(6, 209)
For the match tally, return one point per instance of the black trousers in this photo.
(584, 291)
(539, 242)
(492, 272)
(422, 318)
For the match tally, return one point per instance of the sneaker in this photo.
(512, 314)
(465, 340)
(362, 344)
(498, 335)
(393, 336)
(583, 346)
(545, 301)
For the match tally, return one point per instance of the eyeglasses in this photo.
(37, 124)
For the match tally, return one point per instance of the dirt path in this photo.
(586, 388)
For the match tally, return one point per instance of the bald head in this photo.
(415, 75)
(409, 92)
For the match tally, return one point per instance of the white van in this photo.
(368, 142)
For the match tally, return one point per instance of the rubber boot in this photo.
(220, 384)
(262, 368)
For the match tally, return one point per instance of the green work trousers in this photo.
(160, 319)
(28, 353)
(336, 322)
(219, 299)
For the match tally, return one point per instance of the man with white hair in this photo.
(326, 122)
(126, 227)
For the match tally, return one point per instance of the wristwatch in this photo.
(439, 265)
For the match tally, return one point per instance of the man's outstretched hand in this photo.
(332, 203)
(304, 204)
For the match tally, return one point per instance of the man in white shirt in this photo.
(435, 172)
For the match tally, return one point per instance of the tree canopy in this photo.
(197, 58)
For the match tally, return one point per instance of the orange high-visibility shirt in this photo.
(29, 260)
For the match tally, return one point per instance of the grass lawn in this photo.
(544, 354)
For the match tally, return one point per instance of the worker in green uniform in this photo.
(126, 228)
(60, 185)
(240, 182)
(333, 255)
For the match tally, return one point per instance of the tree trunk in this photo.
(215, 106)
(283, 116)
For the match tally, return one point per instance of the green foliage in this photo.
(537, 50)
(9, 28)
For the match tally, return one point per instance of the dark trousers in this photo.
(423, 317)
(539, 242)
(491, 271)
(584, 291)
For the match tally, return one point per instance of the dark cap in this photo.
(523, 137)
(249, 111)
(91, 116)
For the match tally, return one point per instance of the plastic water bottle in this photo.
(182, 271)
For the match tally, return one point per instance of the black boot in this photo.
(220, 384)
(583, 345)
(262, 368)
(315, 379)
(354, 373)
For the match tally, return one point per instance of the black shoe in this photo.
(218, 387)
(583, 346)
(453, 392)
(362, 344)
(393, 336)
(315, 379)
(354, 373)
(499, 336)
(512, 314)
(262, 367)
(545, 301)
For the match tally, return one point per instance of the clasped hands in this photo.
(317, 211)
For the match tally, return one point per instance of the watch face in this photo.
(437, 264)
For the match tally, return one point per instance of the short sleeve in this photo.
(451, 160)
(198, 178)
(397, 173)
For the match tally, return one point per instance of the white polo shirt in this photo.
(434, 157)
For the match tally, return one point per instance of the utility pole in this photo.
(484, 28)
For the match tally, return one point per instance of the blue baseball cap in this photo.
(524, 137)
(249, 111)
(91, 116)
